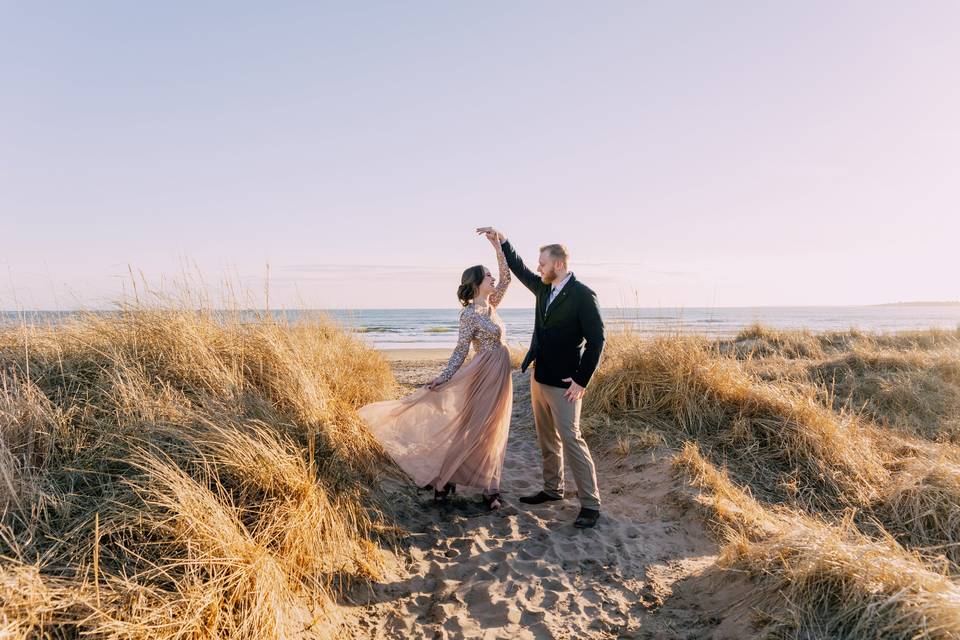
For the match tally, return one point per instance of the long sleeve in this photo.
(529, 279)
(503, 280)
(592, 326)
(468, 325)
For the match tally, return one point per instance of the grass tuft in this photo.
(169, 473)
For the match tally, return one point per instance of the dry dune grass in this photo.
(517, 354)
(761, 341)
(175, 474)
(758, 341)
(921, 507)
(917, 391)
(849, 524)
(908, 380)
(782, 440)
(820, 579)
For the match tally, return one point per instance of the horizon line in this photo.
(919, 303)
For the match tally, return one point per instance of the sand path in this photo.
(526, 572)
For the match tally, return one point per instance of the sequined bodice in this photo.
(482, 327)
(488, 331)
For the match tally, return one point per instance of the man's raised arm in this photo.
(529, 279)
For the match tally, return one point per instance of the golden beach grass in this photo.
(179, 474)
(849, 520)
(908, 381)
(787, 444)
(814, 578)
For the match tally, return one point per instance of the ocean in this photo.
(437, 328)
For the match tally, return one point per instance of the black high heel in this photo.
(492, 501)
(441, 496)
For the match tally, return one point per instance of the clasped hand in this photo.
(492, 234)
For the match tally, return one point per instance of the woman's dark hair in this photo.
(470, 283)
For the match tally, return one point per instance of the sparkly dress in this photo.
(456, 432)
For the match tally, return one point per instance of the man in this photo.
(567, 316)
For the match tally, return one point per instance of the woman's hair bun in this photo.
(470, 284)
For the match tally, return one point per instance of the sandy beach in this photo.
(415, 367)
(526, 572)
(408, 356)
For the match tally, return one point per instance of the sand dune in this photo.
(526, 572)
(241, 449)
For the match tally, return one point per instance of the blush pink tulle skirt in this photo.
(455, 433)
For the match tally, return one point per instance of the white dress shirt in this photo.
(555, 291)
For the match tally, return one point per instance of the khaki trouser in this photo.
(558, 432)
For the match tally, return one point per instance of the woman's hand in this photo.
(494, 236)
(433, 384)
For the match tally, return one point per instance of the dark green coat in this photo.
(568, 337)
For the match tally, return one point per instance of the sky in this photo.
(340, 155)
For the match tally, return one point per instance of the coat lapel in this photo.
(561, 298)
(544, 298)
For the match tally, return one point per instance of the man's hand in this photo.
(575, 392)
(492, 234)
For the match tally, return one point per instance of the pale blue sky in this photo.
(688, 153)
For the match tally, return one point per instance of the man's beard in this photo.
(548, 277)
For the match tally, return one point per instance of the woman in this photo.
(454, 430)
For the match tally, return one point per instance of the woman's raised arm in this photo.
(503, 280)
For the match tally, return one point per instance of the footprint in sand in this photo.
(528, 573)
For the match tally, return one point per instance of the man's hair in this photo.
(557, 252)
